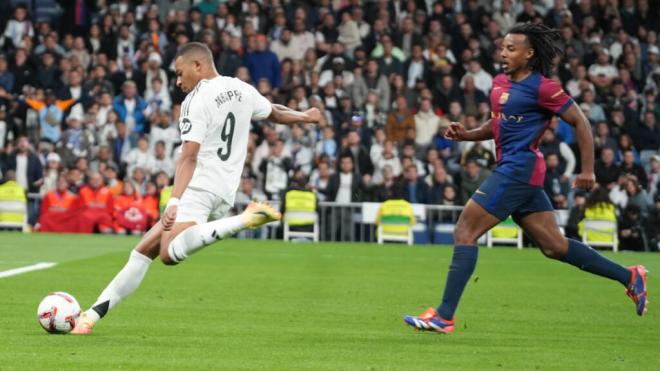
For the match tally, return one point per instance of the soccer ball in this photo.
(58, 313)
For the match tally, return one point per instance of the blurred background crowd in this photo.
(89, 108)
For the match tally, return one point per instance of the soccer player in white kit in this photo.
(215, 125)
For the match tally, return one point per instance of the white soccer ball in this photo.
(58, 313)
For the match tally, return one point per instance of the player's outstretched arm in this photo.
(574, 116)
(185, 167)
(457, 132)
(285, 115)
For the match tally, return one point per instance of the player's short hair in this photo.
(195, 49)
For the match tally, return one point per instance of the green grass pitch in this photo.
(276, 306)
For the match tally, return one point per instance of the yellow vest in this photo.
(601, 211)
(13, 203)
(300, 207)
(396, 217)
(506, 229)
(165, 195)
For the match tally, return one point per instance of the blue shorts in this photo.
(502, 196)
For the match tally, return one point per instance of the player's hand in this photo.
(585, 180)
(314, 115)
(169, 216)
(455, 131)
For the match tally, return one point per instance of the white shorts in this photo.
(200, 206)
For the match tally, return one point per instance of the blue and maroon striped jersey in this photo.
(521, 111)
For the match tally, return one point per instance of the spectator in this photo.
(654, 176)
(390, 158)
(50, 111)
(450, 196)
(163, 162)
(591, 109)
(18, 27)
(358, 152)
(56, 204)
(631, 230)
(376, 82)
(262, 62)
(607, 172)
(110, 174)
(51, 173)
(390, 188)
(130, 108)
(626, 144)
(551, 144)
(29, 173)
(140, 157)
(284, 48)
(427, 124)
(647, 134)
(629, 167)
(345, 186)
(321, 180)
(576, 214)
(415, 190)
(637, 196)
(96, 201)
(248, 193)
(6, 77)
(275, 169)
(129, 213)
(77, 140)
(399, 120)
(556, 184)
(471, 97)
(471, 179)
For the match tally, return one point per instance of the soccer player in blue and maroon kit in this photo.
(523, 100)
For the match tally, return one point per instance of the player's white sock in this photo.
(125, 282)
(196, 237)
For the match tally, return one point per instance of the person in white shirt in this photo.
(163, 161)
(140, 157)
(215, 126)
(426, 123)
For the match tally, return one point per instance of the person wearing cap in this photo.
(155, 70)
(602, 72)
(51, 172)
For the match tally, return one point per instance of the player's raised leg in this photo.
(543, 229)
(473, 222)
(186, 238)
(125, 282)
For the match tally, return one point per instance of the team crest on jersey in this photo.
(504, 97)
(185, 126)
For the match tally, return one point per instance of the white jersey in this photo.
(217, 114)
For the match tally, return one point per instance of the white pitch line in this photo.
(29, 268)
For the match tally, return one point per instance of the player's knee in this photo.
(166, 259)
(463, 236)
(554, 249)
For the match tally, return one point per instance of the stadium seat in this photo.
(300, 212)
(507, 232)
(600, 233)
(395, 221)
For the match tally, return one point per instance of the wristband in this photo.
(172, 202)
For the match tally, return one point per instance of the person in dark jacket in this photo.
(415, 190)
(29, 173)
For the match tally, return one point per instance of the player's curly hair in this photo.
(543, 40)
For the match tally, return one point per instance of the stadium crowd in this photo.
(89, 108)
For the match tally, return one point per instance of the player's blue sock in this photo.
(588, 259)
(460, 270)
